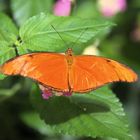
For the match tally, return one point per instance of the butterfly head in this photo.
(69, 52)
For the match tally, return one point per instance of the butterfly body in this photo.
(68, 72)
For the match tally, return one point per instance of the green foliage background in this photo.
(99, 115)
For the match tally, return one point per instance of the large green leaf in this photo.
(8, 31)
(97, 114)
(23, 9)
(37, 34)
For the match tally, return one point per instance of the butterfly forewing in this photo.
(50, 69)
(90, 72)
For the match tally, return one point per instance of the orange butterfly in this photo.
(68, 73)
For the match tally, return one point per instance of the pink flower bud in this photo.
(46, 95)
(111, 7)
(62, 8)
(46, 92)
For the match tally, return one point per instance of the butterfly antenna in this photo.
(59, 35)
(16, 51)
(79, 36)
(19, 41)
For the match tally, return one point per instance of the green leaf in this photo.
(97, 114)
(8, 31)
(8, 36)
(23, 9)
(6, 53)
(37, 34)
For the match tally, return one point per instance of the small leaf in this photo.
(97, 114)
(8, 35)
(23, 9)
(6, 53)
(38, 34)
(8, 31)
